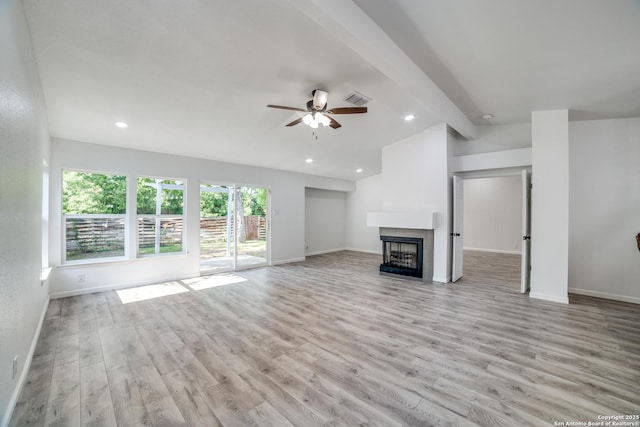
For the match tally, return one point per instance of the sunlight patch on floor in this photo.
(200, 283)
(142, 293)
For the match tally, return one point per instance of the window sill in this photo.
(44, 274)
(108, 262)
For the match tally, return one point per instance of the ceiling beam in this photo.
(351, 25)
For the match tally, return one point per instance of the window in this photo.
(94, 206)
(160, 216)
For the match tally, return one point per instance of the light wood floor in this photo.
(330, 342)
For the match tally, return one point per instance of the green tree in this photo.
(214, 203)
(254, 201)
(93, 193)
(146, 195)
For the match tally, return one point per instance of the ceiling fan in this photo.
(317, 112)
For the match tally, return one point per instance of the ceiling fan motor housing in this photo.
(320, 99)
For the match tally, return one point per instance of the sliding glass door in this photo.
(233, 227)
(251, 220)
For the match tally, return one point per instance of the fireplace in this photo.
(402, 255)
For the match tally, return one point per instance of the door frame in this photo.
(457, 229)
(234, 257)
(268, 220)
(483, 174)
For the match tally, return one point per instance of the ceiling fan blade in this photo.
(282, 107)
(347, 110)
(295, 122)
(334, 124)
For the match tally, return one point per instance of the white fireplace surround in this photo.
(406, 224)
(420, 221)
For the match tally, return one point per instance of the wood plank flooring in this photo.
(330, 342)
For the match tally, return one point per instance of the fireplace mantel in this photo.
(419, 221)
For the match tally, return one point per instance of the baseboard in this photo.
(25, 369)
(552, 298)
(365, 251)
(287, 261)
(441, 279)
(328, 251)
(497, 251)
(605, 295)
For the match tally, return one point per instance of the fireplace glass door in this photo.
(402, 255)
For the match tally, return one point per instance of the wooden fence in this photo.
(94, 235)
(107, 234)
(215, 228)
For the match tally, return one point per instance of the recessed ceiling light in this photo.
(309, 160)
(358, 170)
(409, 117)
(121, 124)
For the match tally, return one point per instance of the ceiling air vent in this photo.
(356, 98)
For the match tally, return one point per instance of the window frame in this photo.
(161, 217)
(64, 216)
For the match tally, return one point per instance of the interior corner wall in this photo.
(325, 218)
(366, 198)
(493, 214)
(550, 205)
(604, 260)
(24, 148)
(287, 212)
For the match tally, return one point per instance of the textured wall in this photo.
(23, 147)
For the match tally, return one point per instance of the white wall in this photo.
(496, 160)
(366, 198)
(287, 209)
(416, 178)
(325, 219)
(494, 138)
(24, 144)
(604, 208)
(493, 214)
(550, 205)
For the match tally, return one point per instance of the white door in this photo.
(456, 234)
(525, 270)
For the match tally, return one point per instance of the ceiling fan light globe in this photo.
(313, 125)
(307, 119)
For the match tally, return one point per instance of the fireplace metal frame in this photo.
(403, 271)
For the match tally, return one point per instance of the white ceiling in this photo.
(193, 77)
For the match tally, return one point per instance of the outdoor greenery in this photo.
(93, 193)
(254, 201)
(98, 193)
(213, 203)
(172, 199)
(150, 250)
(88, 193)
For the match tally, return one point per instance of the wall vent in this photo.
(356, 98)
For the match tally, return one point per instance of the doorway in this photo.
(234, 227)
(491, 224)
